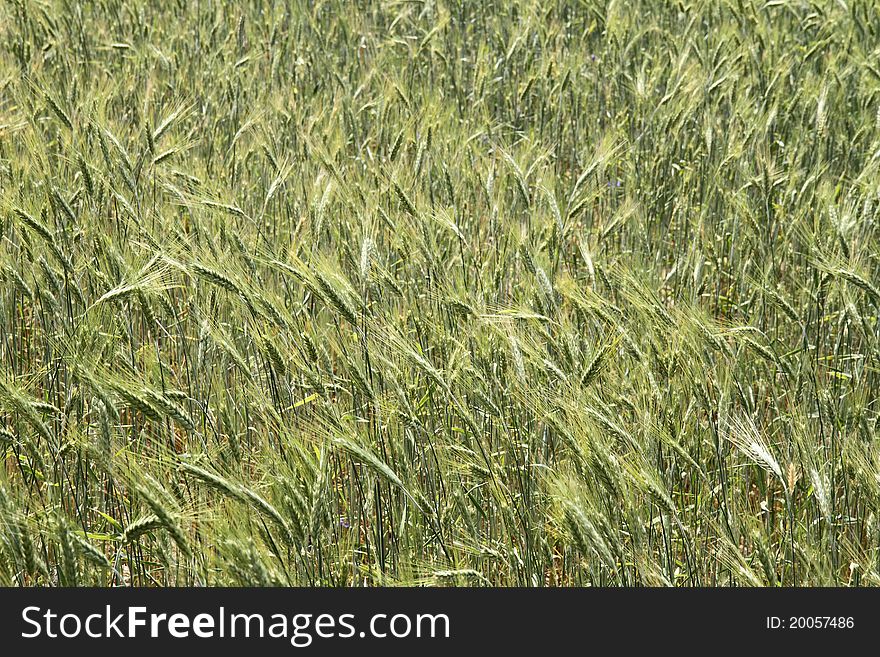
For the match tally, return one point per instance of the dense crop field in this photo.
(447, 293)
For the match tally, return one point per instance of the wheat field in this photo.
(514, 293)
